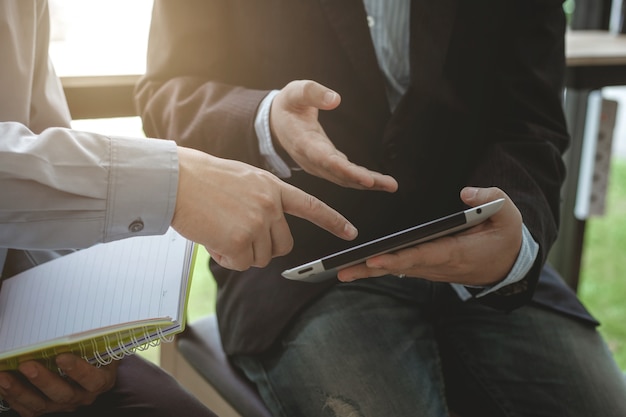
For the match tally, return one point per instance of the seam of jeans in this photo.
(476, 372)
(269, 389)
(442, 386)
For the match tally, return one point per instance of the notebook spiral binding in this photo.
(104, 349)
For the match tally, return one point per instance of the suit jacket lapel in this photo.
(431, 28)
(348, 18)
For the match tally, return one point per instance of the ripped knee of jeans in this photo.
(341, 407)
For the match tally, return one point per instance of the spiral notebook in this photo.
(101, 303)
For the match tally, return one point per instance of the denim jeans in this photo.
(392, 347)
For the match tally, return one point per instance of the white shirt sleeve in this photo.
(69, 189)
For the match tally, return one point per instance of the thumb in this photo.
(315, 95)
(474, 196)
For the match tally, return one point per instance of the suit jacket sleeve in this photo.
(528, 132)
(196, 97)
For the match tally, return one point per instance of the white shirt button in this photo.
(370, 21)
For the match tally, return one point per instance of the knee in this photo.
(337, 406)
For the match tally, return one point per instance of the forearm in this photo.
(69, 189)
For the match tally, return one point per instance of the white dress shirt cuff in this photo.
(273, 162)
(143, 184)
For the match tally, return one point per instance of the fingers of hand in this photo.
(359, 271)
(282, 241)
(436, 260)
(303, 93)
(239, 250)
(255, 241)
(92, 379)
(261, 248)
(294, 120)
(475, 196)
(320, 158)
(21, 396)
(303, 205)
(462, 258)
(355, 176)
(50, 384)
(41, 391)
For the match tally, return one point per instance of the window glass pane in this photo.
(99, 37)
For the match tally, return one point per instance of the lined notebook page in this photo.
(106, 285)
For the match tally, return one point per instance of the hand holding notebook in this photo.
(100, 303)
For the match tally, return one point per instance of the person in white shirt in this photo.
(62, 189)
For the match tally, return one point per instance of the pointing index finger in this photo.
(298, 203)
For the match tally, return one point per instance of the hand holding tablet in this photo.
(327, 267)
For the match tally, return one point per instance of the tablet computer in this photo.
(327, 267)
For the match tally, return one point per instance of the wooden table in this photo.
(593, 48)
(595, 59)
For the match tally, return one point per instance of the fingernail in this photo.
(329, 97)
(344, 277)
(351, 231)
(5, 383)
(373, 263)
(66, 362)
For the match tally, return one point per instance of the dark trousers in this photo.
(142, 389)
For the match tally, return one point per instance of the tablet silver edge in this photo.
(317, 273)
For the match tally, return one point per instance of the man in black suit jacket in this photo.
(479, 324)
